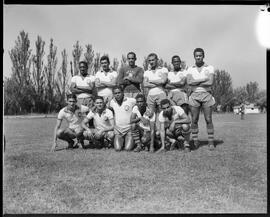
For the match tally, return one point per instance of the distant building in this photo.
(249, 109)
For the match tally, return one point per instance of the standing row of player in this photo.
(163, 111)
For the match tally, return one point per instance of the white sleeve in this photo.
(136, 111)
(179, 110)
(153, 118)
(211, 70)
(161, 118)
(73, 79)
(90, 115)
(109, 114)
(61, 115)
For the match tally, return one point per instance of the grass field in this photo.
(230, 179)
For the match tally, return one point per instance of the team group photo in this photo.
(124, 109)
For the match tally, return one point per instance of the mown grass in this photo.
(230, 179)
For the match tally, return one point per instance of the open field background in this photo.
(230, 179)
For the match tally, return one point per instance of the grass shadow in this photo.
(205, 143)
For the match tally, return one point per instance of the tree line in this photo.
(39, 83)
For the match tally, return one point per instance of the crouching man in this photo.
(142, 125)
(174, 123)
(74, 115)
(102, 134)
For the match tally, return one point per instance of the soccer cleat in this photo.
(196, 144)
(138, 148)
(211, 146)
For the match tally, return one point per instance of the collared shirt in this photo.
(152, 75)
(136, 111)
(176, 77)
(84, 82)
(205, 71)
(101, 122)
(75, 118)
(177, 113)
(107, 77)
(122, 113)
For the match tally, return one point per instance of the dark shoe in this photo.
(196, 144)
(70, 144)
(138, 148)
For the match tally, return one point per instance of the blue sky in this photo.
(226, 32)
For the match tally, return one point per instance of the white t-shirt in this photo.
(136, 111)
(177, 113)
(176, 77)
(107, 77)
(101, 122)
(193, 71)
(122, 113)
(152, 75)
(84, 82)
(74, 119)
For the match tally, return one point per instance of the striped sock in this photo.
(194, 134)
(136, 136)
(210, 132)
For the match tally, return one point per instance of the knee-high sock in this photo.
(210, 132)
(194, 132)
(136, 136)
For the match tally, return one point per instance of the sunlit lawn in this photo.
(230, 179)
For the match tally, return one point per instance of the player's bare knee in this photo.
(59, 133)
(185, 127)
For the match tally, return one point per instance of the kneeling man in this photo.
(74, 115)
(142, 124)
(103, 124)
(174, 123)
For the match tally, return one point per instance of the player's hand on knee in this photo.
(53, 148)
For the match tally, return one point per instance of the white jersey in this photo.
(176, 77)
(107, 77)
(152, 75)
(205, 71)
(83, 82)
(101, 122)
(136, 111)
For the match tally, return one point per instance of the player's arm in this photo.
(57, 127)
(86, 89)
(85, 122)
(112, 83)
(134, 118)
(162, 134)
(152, 135)
(182, 119)
(111, 125)
(179, 84)
(209, 82)
(147, 84)
(120, 77)
(160, 81)
(74, 89)
(137, 79)
(194, 82)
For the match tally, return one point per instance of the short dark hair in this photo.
(105, 58)
(83, 62)
(71, 96)
(99, 97)
(176, 56)
(165, 101)
(153, 54)
(131, 52)
(117, 87)
(198, 50)
(139, 95)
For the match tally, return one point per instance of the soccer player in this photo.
(103, 124)
(74, 115)
(105, 79)
(82, 85)
(174, 123)
(200, 78)
(154, 79)
(142, 124)
(122, 108)
(130, 77)
(177, 84)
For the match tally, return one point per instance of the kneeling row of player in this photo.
(127, 124)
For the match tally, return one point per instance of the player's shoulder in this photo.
(178, 109)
